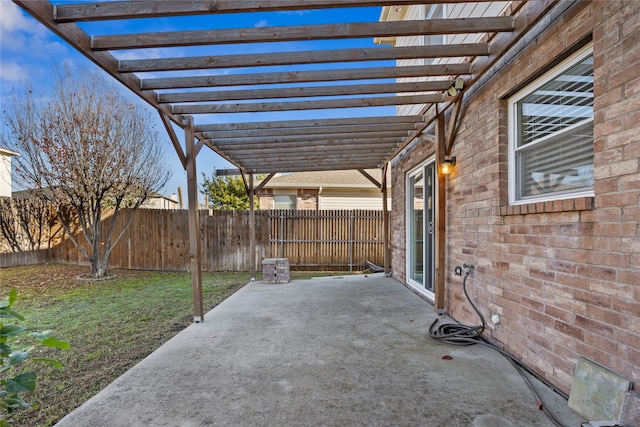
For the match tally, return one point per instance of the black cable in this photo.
(464, 335)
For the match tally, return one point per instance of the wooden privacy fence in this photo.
(159, 240)
(312, 240)
(327, 239)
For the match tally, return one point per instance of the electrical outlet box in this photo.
(458, 271)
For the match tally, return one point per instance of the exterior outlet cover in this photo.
(458, 271)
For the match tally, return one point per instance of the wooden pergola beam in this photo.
(306, 139)
(321, 164)
(305, 105)
(303, 32)
(157, 9)
(304, 92)
(358, 144)
(307, 131)
(302, 57)
(227, 172)
(370, 178)
(265, 181)
(369, 73)
(310, 155)
(312, 123)
(174, 139)
(313, 155)
(453, 124)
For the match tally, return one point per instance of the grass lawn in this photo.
(111, 325)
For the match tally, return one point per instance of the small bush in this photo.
(16, 376)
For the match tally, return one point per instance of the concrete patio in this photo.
(345, 351)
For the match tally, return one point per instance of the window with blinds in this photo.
(552, 134)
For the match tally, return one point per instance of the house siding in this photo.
(5, 175)
(563, 275)
(363, 199)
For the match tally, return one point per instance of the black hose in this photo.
(457, 333)
(463, 335)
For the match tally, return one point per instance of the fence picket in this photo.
(312, 240)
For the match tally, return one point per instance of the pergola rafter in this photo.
(303, 92)
(301, 58)
(292, 77)
(350, 81)
(153, 8)
(305, 32)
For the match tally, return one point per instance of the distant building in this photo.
(155, 201)
(347, 189)
(158, 201)
(5, 171)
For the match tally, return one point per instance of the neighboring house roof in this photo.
(326, 179)
(7, 152)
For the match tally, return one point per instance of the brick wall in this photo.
(307, 199)
(564, 276)
(266, 198)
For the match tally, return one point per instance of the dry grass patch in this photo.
(111, 325)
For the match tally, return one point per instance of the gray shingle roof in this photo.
(325, 179)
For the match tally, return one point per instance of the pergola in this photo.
(194, 92)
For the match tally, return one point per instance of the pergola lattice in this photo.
(192, 96)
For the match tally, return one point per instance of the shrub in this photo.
(16, 377)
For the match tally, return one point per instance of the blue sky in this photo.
(28, 51)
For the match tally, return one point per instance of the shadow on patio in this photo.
(344, 351)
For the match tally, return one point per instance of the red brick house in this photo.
(346, 189)
(544, 198)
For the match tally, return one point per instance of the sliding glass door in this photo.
(420, 228)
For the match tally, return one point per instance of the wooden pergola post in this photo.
(385, 222)
(252, 227)
(195, 245)
(441, 216)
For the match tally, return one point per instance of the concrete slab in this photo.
(597, 393)
(350, 351)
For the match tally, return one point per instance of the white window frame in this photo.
(574, 59)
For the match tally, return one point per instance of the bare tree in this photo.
(8, 226)
(87, 148)
(25, 224)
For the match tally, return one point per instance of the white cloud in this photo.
(12, 72)
(12, 19)
(295, 12)
(261, 23)
(20, 33)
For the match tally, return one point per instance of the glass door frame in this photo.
(427, 236)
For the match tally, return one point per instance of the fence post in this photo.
(351, 226)
(281, 251)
